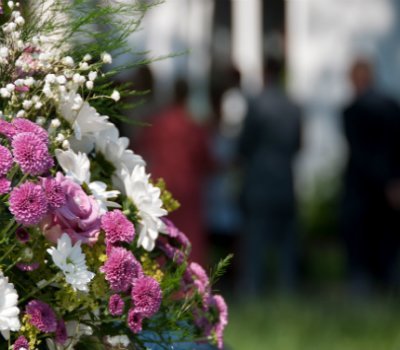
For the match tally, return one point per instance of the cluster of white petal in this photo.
(72, 262)
(102, 196)
(76, 166)
(9, 311)
(86, 122)
(146, 198)
(115, 150)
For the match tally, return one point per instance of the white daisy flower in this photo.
(76, 167)
(72, 262)
(102, 196)
(85, 121)
(146, 198)
(115, 149)
(9, 311)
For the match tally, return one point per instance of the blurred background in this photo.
(277, 127)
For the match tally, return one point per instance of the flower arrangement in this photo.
(88, 258)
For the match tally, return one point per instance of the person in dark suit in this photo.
(370, 219)
(268, 144)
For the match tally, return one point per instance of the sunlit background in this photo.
(219, 48)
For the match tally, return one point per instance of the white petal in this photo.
(72, 262)
(75, 165)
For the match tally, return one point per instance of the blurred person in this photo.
(223, 213)
(229, 108)
(370, 220)
(176, 149)
(269, 142)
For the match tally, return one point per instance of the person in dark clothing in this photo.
(267, 147)
(370, 219)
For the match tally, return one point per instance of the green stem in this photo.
(8, 252)
(6, 229)
(22, 180)
(12, 265)
(38, 289)
(13, 172)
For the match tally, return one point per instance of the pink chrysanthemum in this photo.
(201, 279)
(7, 129)
(116, 305)
(175, 233)
(31, 153)
(6, 161)
(28, 204)
(135, 320)
(22, 235)
(222, 309)
(21, 344)
(61, 332)
(146, 296)
(5, 185)
(117, 227)
(25, 267)
(41, 316)
(24, 125)
(121, 268)
(54, 193)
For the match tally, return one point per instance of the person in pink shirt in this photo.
(176, 149)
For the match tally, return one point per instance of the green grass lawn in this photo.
(305, 323)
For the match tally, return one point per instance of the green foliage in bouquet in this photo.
(88, 257)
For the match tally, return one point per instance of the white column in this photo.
(247, 42)
(162, 26)
(199, 59)
(297, 29)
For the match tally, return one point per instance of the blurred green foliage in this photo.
(319, 207)
(306, 323)
(323, 257)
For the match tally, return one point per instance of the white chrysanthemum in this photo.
(9, 311)
(146, 198)
(84, 119)
(76, 166)
(102, 196)
(72, 262)
(114, 149)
